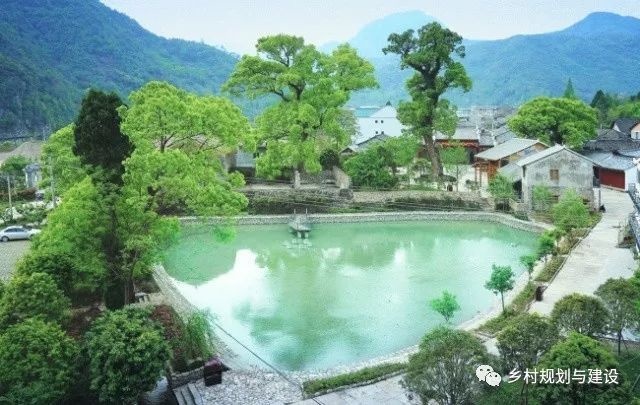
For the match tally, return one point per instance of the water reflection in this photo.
(356, 292)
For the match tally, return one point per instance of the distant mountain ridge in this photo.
(51, 51)
(596, 53)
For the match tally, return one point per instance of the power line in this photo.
(271, 366)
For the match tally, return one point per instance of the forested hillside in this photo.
(52, 51)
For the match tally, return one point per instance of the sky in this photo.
(237, 24)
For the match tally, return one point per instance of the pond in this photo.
(353, 292)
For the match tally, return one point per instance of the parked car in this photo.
(17, 233)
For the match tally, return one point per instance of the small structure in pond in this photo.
(300, 225)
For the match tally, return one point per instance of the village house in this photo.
(488, 162)
(614, 150)
(558, 169)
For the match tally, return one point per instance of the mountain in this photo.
(596, 53)
(370, 40)
(51, 51)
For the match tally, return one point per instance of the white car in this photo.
(17, 233)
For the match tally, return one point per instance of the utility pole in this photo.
(9, 194)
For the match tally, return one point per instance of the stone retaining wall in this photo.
(503, 219)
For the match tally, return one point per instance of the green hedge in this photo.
(311, 387)
(550, 269)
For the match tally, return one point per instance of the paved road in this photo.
(596, 258)
(10, 252)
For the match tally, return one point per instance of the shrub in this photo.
(570, 212)
(311, 387)
(37, 363)
(33, 296)
(546, 245)
(329, 158)
(127, 354)
(57, 264)
(445, 366)
(580, 313)
(198, 336)
(550, 269)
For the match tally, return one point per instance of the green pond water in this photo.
(357, 292)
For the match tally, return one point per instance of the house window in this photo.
(376, 132)
(382, 122)
(382, 132)
(376, 121)
(554, 174)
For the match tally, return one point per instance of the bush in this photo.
(570, 212)
(329, 158)
(127, 354)
(450, 356)
(37, 363)
(370, 169)
(312, 387)
(57, 264)
(198, 336)
(33, 296)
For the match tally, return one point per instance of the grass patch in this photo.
(550, 269)
(495, 325)
(312, 387)
(520, 302)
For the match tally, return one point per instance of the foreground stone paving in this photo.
(253, 386)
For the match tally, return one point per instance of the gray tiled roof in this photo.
(610, 160)
(625, 124)
(507, 148)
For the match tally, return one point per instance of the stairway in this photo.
(188, 395)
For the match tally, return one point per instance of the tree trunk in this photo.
(128, 290)
(436, 165)
(296, 178)
(502, 298)
(619, 341)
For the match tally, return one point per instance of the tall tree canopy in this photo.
(311, 88)
(63, 165)
(432, 53)
(179, 140)
(556, 121)
(98, 140)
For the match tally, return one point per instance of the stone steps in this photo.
(188, 395)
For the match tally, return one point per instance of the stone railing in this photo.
(634, 193)
(634, 224)
(503, 219)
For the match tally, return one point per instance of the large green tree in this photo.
(433, 52)
(98, 140)
(37, 363)
(621, 297)
(127, 355)
(179, 140)
(580, 313)
(310, 88)
(443, 369)
(581, 353)
(556, 121)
